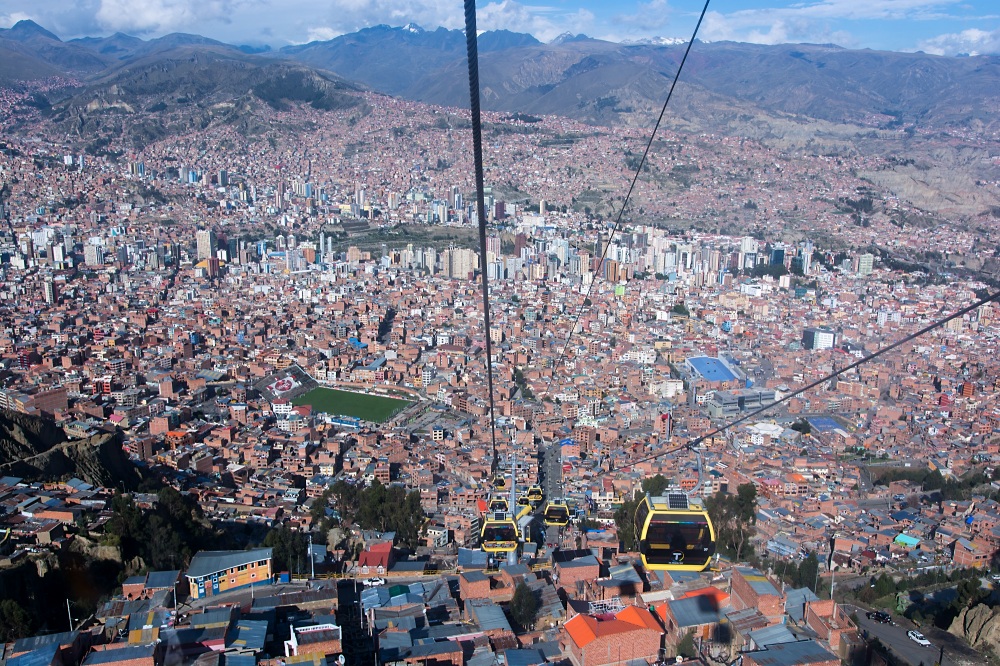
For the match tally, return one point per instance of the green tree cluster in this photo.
(968, 592)
(735, 520)
(166, 536)
(950, 488)
(523, 606)
(806, 574)
(15, 622)
(288, 549)
(378, 507)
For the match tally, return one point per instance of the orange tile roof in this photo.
(583, 629)
(718, 596)
(639, 617)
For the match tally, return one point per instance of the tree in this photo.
(802, 426)
(807, 575)
(288, 548)
(686, 647)
(15, 622)
(523, 606)
(734, 518)
(655, 485)
(625, 524)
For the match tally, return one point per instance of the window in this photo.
(242, 567)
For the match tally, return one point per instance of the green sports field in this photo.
(374, 408)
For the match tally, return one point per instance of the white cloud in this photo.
(813, 21)
(322, 34)
(648, 16)
(543, 22)
(8, 20)
(972, 42)
(163, 16)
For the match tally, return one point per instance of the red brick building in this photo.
(632, 633)
(830, 621)
(319, 639)
(750, 588)
(581, 570)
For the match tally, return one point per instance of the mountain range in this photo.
(575, 76)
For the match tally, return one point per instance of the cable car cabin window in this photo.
(499, 533)
(557, 513)
(641, 512)
(677, 538)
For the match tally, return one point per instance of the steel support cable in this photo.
(836, 373)
(477, 151)
(635, 179)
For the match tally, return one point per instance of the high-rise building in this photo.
(207, 243)
(818, 338)
(93, 255)
(865, 264)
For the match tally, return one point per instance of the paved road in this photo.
(550, 469)
(551, 472)
(894, 637)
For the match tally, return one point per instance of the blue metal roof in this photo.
(773, 635)
(792, 654)
(162, 579)
(43, 656)
(694, 611)
(711, 369)
(795, 602)
(35, 642)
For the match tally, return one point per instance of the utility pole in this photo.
(312, 561)
(69, 615)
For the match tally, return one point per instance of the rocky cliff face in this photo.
(36, 449)
(979, 625)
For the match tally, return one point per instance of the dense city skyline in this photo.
(247, 413)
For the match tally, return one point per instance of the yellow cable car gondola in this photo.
(499, 533)
(535, 495)
(556, 513)
(500, 482)
(674, 533)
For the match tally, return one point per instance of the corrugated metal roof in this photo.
(772, 635)
(248, 635)
(43, 656)
(120, 654)
(208, 562)
(798, 653)
(35, 642)
(695, 611)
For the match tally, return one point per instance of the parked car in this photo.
(917, 638)
(373, 582)
(880, 616)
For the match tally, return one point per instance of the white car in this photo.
(918, 638)
(373, 582)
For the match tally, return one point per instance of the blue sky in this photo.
(946, 27)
